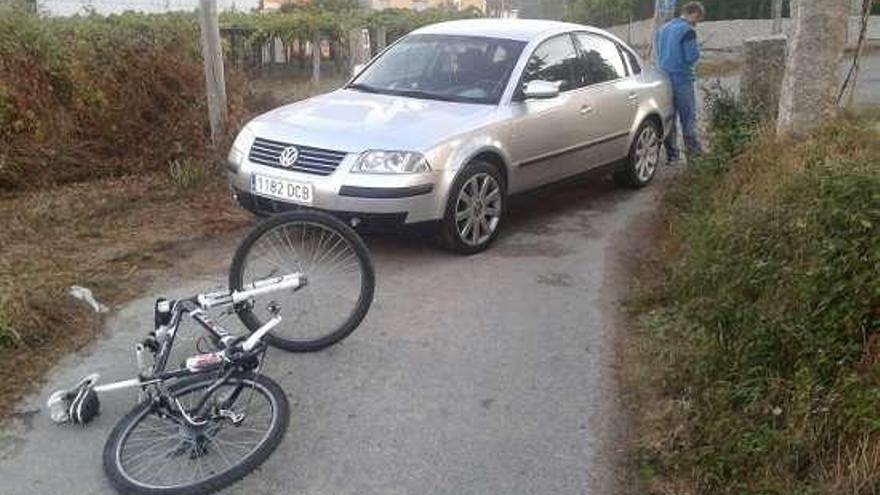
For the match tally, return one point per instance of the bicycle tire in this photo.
(351, 238)
(116, 442)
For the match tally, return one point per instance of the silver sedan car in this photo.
(449, 121)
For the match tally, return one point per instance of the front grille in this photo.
(311, 160)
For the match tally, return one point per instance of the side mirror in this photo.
(541, 89)
(357, 69)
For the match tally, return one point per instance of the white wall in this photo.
(73, 7)
(729, 35)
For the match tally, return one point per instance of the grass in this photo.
(110, 235)
(759, 341)
(189, 173)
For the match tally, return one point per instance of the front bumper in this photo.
(370, 222)
(405, 198)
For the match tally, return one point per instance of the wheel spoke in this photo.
(484, 187)
(484, 225)
(468, 226)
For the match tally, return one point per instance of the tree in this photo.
(811, 82)
(600, 12)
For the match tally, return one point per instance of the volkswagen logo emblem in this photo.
(288, 156)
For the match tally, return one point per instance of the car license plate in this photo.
(288, 190)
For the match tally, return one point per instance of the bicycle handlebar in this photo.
(293, 281)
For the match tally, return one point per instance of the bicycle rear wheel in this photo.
(151, 454)
(338, 271)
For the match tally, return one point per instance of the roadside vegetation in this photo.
(758, 347)
(92, 97)
(106, 165)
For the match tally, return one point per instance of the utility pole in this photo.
(777, 16)
(316, 58)
(663, 12)
(215, 82)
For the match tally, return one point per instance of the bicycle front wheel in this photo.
(149, 453)
(339, 279)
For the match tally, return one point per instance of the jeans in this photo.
(684, 101)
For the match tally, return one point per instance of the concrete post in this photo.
(664, 10)
(809, 89)
(381, 38)
(316, 58)
(763, 70)
(214, 78)
(777, 16)
(359, 47)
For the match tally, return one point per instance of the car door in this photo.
(611, 95)
(543, 133)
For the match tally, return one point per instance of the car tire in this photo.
(482, 185)
(640, 165)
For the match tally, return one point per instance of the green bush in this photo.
(304, 22)
(87, 97)
(764, 330)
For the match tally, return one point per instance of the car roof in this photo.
(514, 29)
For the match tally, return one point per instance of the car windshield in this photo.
(469, 69)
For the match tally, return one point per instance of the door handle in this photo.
(633, 97)
(586, 109)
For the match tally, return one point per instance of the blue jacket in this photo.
(677, 51)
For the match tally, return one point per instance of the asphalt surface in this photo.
(482, 375)
(490, 374)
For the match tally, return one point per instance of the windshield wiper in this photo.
(415, 93)
(366, 88)
(410, 93)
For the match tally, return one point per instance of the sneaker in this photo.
(674, 160)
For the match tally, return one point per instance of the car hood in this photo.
(354, 121)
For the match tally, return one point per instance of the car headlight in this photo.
(240, 146)
(391, 162)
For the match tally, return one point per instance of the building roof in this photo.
(514, 29)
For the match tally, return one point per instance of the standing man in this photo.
(677, 55)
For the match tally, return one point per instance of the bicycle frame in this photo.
(169, 315)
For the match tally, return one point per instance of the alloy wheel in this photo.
(478, 209)
(647, 153)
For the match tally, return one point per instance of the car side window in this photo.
(633, 61)
(554, 60)
(599, 60)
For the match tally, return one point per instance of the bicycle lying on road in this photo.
(201, 427)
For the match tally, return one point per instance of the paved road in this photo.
(482, 375)
(492, 374)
